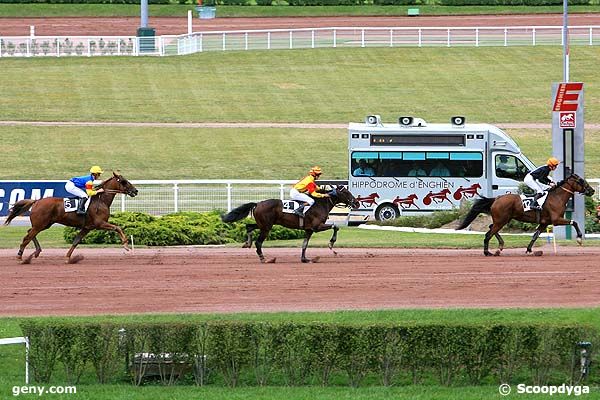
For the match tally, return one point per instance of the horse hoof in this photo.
(579, 241)
(36, 254)
(487, 254)
(126, 248)
(538, 253)
(75, 259)
(305, 260)
(246, 246)
(330, 245)
(497, 253)
(271, 260)
(316, 259)
(27, 260)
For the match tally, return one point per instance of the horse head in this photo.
(342, 195)
(578, 184)
(118, 184)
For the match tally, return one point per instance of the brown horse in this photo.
(50, 210)
(270, 212)
(509, 206)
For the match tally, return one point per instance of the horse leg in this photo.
(31, 234)
(76, 242)
(38, 248)
(110, 227)
(494, 229)
(305, 245)
(333, 238)
(259, 241)
(563, 221)
(535, 236)
(249, 229)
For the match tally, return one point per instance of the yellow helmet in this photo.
(316, 171)
(552, 162)
(96, 170)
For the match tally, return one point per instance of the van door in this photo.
(508, 171)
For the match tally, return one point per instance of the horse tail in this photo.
(20, 207)
(482, 205)
(238, 213)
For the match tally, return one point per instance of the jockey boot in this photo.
(81, 208)
(299, 211)
(534, 204)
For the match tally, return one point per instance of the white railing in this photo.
(383, 37)
(279, 39)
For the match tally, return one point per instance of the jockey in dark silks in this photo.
(539, 180)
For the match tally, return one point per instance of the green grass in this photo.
(186, 153)
(319, 85)
(178, 10)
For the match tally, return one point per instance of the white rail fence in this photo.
(279, 39)
(164, 197)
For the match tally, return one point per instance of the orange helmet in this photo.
(314, 171)
(552, 162)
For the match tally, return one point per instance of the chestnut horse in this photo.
(50, 210)
(270, 212)
(509, 206)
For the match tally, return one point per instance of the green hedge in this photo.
(177, 229)
(254, 353)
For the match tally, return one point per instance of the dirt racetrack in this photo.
(78, 26)
(217, 279)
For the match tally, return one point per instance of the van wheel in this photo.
(386, 212)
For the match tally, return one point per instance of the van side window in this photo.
(510, 167)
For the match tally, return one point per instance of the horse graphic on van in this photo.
(406, 202)
(467, 193)
(369, 200)
(438, 197)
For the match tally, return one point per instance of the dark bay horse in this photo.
(270, 212)
(509, 206)
(50, 210)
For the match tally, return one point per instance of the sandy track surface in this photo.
(202, 279)
(178, 25)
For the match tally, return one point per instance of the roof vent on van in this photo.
(458, 120)
(373, 120)
(410, 121)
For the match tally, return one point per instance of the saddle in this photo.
(528, 201)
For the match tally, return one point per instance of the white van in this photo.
(415, 167)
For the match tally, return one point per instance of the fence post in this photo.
(201, 38)
(291, 39)
(391, 37)
(335, 37)
(245, 40)
(57, 47)
(176, 197)
(362, 38)
(281, 192)
(505, 37)
(312, 39)
(420, 38)
(591, 37)
(448, 45)
(228, 197)
(224, 42)
(476, 37)
(122, 203)
(533, 35)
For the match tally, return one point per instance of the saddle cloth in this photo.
(71, 203)
(290, 205)
(528, 200)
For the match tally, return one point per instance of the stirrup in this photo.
(299, 212)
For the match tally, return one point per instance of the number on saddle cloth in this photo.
(71, 203)
(528, 201)
(290, 205)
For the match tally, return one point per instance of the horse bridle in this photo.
(109, 191)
